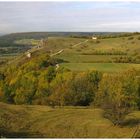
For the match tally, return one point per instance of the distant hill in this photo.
(8, 40)
(38, 35)
(1, 34)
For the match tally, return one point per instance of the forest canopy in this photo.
(37, 81)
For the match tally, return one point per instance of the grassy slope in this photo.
(78, 61)
(104, 45)
(43, 121)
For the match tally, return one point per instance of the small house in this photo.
(57, 66)
(94, 38)
(29, 54)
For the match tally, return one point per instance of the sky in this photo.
(75, 16)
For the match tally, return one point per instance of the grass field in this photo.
(105, 67)
(77, 61)
(67, 122)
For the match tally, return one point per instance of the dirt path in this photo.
(57, 53)
(72, 46)
(80, 43)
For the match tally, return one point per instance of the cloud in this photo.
(69, 16)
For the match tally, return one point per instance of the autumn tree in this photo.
(118, 95)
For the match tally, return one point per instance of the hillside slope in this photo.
(43, 121)
(81, 51)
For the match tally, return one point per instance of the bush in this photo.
(130, 38)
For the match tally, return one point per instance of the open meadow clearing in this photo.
(64, 122)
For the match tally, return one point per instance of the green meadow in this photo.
(92, 55)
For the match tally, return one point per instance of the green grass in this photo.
(65, 122)
(79, 62)
(78, 58)
(105, 67)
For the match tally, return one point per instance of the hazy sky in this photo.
(69, 16)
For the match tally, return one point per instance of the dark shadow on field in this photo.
(20, 134)
(131, 122)
(58, 60)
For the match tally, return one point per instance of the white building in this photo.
(28, 54)
(94, 38)
(57, 66)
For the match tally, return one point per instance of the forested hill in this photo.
(37, 80)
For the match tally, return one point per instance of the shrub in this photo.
(130, 38)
